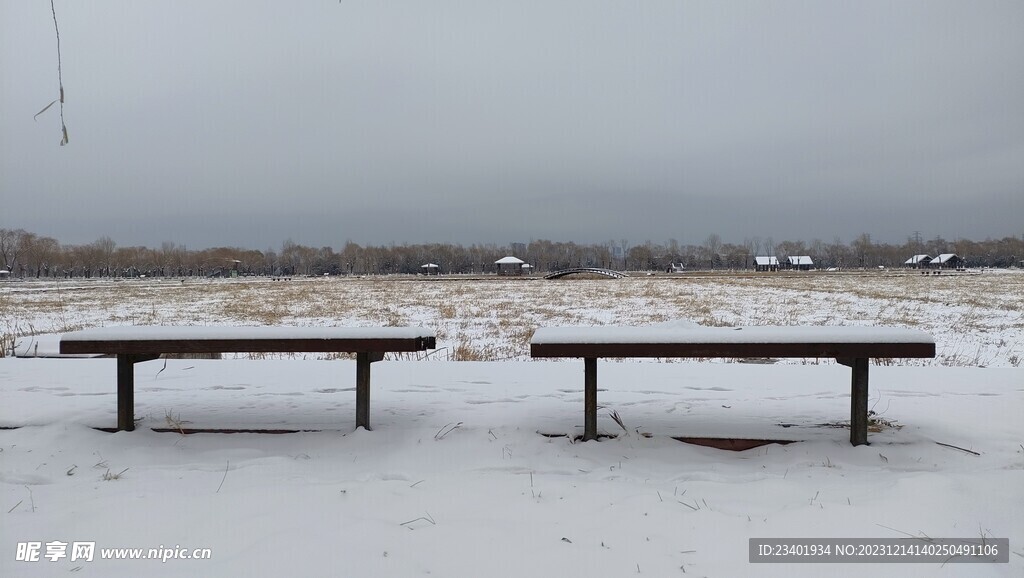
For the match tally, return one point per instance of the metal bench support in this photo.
(859, 403)
(589, 398)
(858, 399)
(363, 361)
(126, 389)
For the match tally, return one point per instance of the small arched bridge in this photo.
(586, 271)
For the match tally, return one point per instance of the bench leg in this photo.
(125, 393)
(363, 390)
(859, 402)
(126, 388)
(589, 399)
(363, 361)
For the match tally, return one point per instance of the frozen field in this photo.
(977, 320)
(470, 469)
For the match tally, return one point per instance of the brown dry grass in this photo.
(493, 319)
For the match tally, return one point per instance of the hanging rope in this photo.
(60, 83)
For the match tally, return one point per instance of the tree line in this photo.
(24, 254)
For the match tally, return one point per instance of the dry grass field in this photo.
(977, 319)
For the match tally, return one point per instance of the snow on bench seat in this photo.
(45, 345)
(754, 334)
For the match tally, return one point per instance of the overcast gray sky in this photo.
(247, 123)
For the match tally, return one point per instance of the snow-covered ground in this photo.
(458, 478)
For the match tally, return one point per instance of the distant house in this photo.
(430, 269)
(766, 263)
(510, 266)
(917, 261)
(527, 269)
(800, 262)
(946, 261)
(4, 273)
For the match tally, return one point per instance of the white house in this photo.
(766, 263)
(918, 261)
(510, 266)
(800, 262)
(946, 261)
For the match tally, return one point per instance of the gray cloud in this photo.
(234, 123)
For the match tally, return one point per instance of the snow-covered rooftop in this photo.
(800, 260)
(766, 260)
(510, 260)
(943, 257)
(917, 259)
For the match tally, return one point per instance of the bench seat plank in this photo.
(206, 339)
(757, 341)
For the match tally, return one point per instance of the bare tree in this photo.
(41, 254)
(750, 247)
(12, 245)
(863, 249)
(712, 245)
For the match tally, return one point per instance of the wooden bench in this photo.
(132, 345)
(850, 346)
